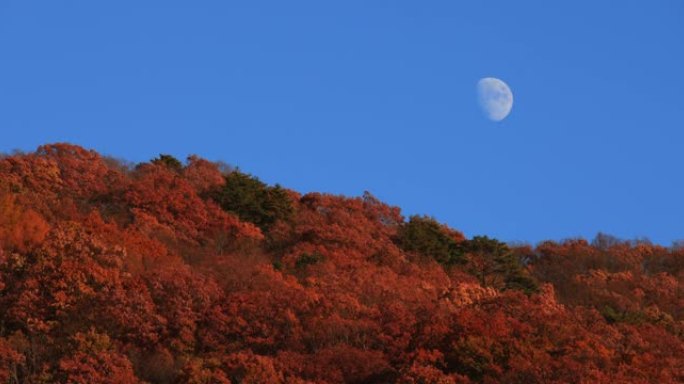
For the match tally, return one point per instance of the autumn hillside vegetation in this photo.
(189, 271)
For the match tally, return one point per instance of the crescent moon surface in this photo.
(495, 98)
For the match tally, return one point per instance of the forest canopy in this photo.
(174, 271)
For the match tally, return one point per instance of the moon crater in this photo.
(495, 98)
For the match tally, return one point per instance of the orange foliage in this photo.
(118, 275)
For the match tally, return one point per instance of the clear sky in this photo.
(347, 96)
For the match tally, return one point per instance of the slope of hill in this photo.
(170, 272)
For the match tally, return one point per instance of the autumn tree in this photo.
(10, 362)
(203, 175)
(161, 274)
(94, 362)
(20, 229)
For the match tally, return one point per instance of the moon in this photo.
(495, 97)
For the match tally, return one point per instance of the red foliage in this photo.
(93, 363)
(112, 275)
(10, 360)
(202, 174)
(167, 207)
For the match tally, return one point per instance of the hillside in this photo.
(191, 272)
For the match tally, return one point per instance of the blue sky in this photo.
(348, 96)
